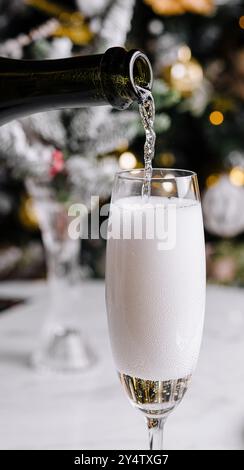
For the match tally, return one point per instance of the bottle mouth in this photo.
(140, 72)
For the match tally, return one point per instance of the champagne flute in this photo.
(155, 289)
(62, 346)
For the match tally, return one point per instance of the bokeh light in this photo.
(167, 159)
(184, 54)
(237, 176)
(216, 118)
(241, 22)
(212, 180)
(127, 161)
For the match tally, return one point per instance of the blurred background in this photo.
(197, 52)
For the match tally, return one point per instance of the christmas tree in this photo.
(197, 52)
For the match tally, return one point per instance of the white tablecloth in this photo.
(89, 410)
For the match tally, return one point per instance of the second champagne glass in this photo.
(155, 289)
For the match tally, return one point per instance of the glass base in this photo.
(63, 350)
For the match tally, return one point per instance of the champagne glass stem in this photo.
(62, 275)
(155, 430)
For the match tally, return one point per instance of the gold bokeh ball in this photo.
(167, 159)
(216, 118)
(237, 176)
(186, 75)
(27, 213)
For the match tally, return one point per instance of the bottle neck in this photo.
(28, 86)
(121, 73)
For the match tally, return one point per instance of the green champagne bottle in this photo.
(30, 86)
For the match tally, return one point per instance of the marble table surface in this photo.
(89, 410)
